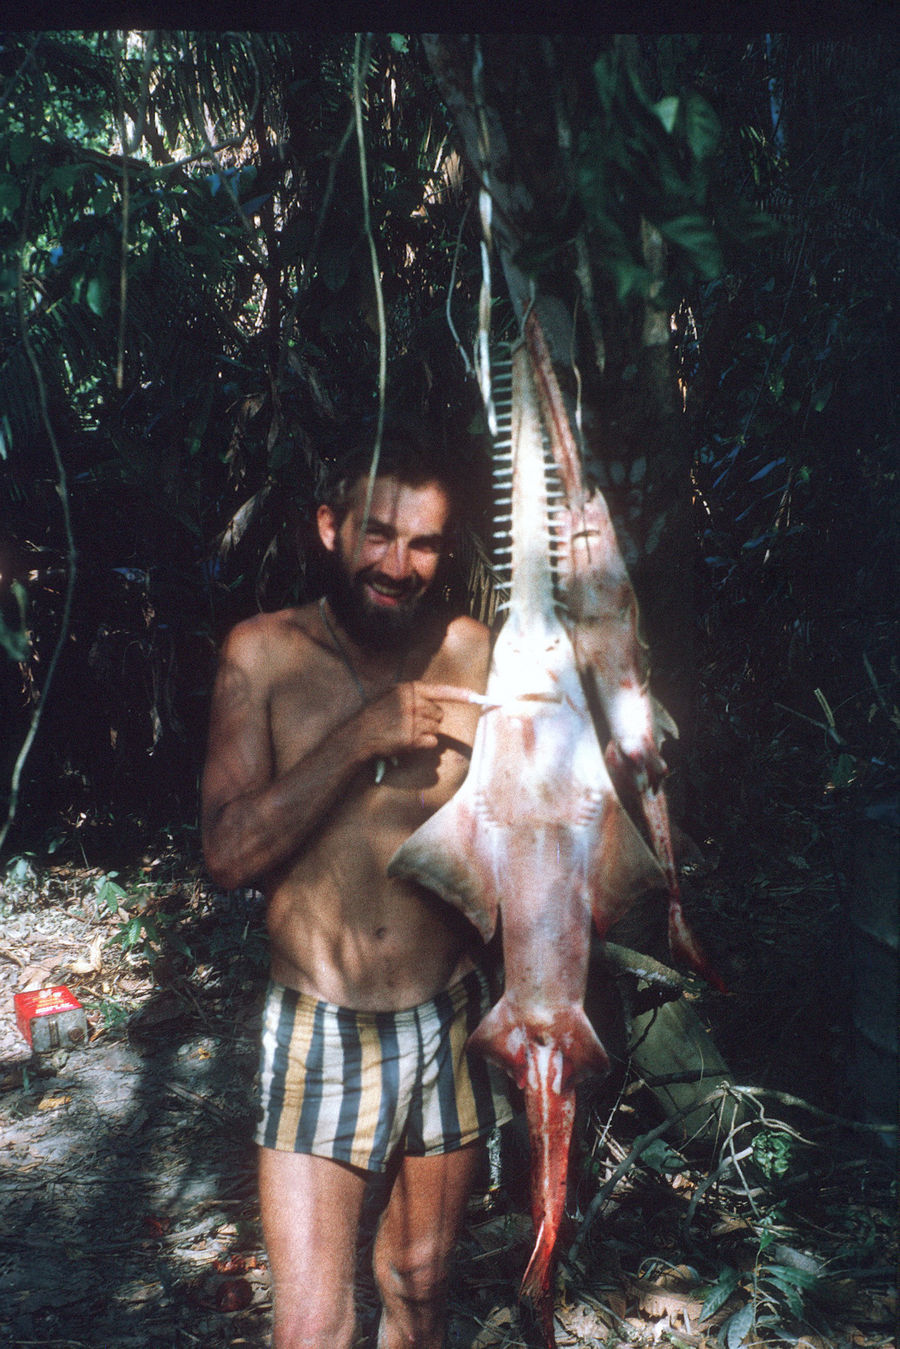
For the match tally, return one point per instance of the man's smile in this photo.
(388, 594)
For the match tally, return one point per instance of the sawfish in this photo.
(601, 616)
(536, 834)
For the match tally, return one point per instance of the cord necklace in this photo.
(380, 764)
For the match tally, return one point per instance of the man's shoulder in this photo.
(467, 634)
(465, 651)
(267, 636)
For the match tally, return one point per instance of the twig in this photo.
(71, 553)
(671, 1079)
(23, 66)
(304, 280)
(376, 280)
(736, 1159)
(785, 1098)
(729, 1089)
(485, 206)
(128, 145)
(640, 1145)
(875, 684)
(194, 1098)
(707, 1183)
(450, 324)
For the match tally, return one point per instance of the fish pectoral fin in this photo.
(622, 867)
(501, 1037)
(581, 1051)
(444, 856)
(687, 950)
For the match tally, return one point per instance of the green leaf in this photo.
(399, 42)
(177, 943)
(702, 127)
(773, 1152)
(606, 79)
(660, 1157)
(821, 396)
(667, 111)
(629, 277)
(737, 1327)
(97, 296)
(844, 770)
(15, 641)
(110, 894)
(21, 147)
(60, 179)
(786, 1287)
(129, 934)
(790, 1274)
(103, 199)
(720, 1292)
(10, 195)
(764, 472)
(695, 235)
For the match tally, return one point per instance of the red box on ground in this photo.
(50, 1018)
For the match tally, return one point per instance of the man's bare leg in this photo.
(414, 1243)
(310, 1211)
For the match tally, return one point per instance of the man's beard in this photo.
(369, 624)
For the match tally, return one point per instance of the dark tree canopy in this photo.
(192, 330)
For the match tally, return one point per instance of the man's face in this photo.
(383, 572)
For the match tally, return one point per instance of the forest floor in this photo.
(128, 1210)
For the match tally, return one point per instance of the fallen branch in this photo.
(721, 1093)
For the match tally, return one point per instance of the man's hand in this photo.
(409, 716)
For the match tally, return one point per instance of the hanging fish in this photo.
(537, 835)
(601, 615)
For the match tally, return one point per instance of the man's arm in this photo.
(253, 819)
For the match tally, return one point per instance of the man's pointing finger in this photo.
(452, 693)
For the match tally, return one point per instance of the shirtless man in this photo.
(331, 740)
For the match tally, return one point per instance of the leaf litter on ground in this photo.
(128, 1210)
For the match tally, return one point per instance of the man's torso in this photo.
(340, 930)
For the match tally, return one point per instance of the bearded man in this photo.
(335, 733)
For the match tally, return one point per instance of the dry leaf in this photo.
(583, 1322)
(664, 1298)
(51, 1102)
(617, 1304)
(34, 977)
(94, 962)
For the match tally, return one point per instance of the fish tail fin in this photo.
(550, 1108)
(536, 1279)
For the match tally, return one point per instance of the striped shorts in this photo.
(354, 1086)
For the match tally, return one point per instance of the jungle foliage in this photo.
(190, 332)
